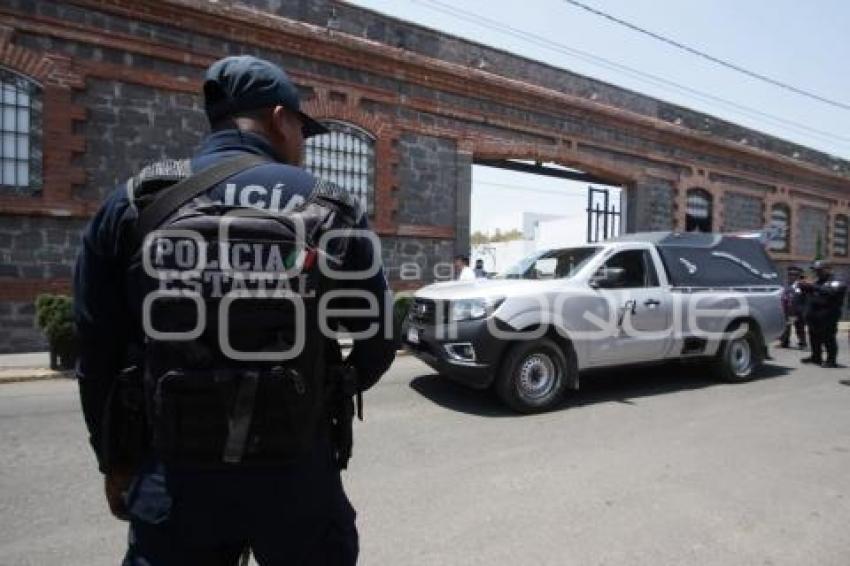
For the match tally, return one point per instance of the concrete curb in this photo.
(21, 375)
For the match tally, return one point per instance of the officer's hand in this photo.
(116, 485)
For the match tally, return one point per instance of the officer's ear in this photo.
(287, 125)
(278, 120)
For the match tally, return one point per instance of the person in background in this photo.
(793, 304)
(479, 269)
(824, 302)
(462, 270)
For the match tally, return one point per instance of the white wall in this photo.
(565, 232)
(499, 256)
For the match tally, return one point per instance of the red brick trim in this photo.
(423, 231)
(247, 25)
(38, 206)
(28, 289)
(140, 45)
(129, 75)
(564, 151)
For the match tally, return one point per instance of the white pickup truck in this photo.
(638, 299)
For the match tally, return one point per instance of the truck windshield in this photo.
(551, 264)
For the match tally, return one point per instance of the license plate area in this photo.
(413, 335)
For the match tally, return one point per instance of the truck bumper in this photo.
(470, 355)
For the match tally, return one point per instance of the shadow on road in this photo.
(599, 386)
(451, 395)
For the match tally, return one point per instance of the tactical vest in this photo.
(234, 358)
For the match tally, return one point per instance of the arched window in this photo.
(346, 157)
(839, 247)
(698, 212)
(20, 118)
(780, 228)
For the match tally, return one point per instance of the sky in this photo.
(805, 44)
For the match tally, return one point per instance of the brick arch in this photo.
(57, 78)
(386, 136)
(26, 62)
(323, 108)
(50, 70)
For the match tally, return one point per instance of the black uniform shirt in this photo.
(826, 299)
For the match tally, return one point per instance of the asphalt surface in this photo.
(657, 466)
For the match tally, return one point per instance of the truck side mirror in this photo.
(608, 277)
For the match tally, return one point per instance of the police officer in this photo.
(824, 301)
(295, 513)
(793, 304)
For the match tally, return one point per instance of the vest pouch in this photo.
(233, 417)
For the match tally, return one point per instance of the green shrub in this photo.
(401, 307)
(54, 315)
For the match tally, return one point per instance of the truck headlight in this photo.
(471, 309)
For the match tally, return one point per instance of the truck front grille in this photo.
(427, 311)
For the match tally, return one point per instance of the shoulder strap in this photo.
(331, 195)
(182, 192)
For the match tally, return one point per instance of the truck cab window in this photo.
(638, 269)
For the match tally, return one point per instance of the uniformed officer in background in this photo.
(296, 513)
(793, 304)
(824, 301)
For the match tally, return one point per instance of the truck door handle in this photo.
(652, 302)
(629, 307)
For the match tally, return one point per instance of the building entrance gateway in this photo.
(522, 207)
(603, 209)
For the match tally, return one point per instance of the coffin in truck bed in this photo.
(711, 260)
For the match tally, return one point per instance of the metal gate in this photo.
(603, 216)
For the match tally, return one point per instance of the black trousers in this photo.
(799, 327)
(822, 336)
(297, 517)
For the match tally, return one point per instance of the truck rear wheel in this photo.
(533, 376)
(740, 356)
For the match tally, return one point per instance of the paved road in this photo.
(654, 467)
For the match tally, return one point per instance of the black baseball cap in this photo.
(244, 82)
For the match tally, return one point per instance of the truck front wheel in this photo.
(533, 376)
(739, 356)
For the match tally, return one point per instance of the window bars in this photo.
(698, 214)
(780, 220)
(344, 156)
(840, 234)
(17, 110)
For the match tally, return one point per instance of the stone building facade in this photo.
(105, 86)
